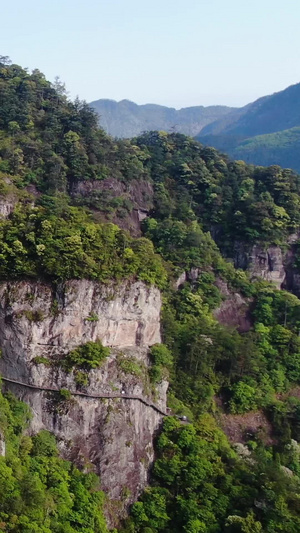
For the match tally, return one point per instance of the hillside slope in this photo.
(265, 132)
(280, 148)
(276, 112)
(228, 129)
(95, 234)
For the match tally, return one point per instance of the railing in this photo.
(95, 396)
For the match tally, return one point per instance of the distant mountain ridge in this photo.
(269, 114)
(265, 132)
(126, 119)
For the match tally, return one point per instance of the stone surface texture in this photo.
(112, 436)
(266, 263)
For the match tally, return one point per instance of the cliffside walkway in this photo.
(94, 396)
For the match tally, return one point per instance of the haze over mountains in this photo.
(127, 119)
(264, 132)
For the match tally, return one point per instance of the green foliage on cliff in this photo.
(50, 150)
(87, 356)
(47, 145)
(50, 142)
(35, 242)
(233, 200)
(201, 485)
(39, 492)
(162, 361)
(247, 370)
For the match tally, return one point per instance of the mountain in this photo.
(279, 148)
(264, 132)
(136, 274)
(276, 112)
(126, 119)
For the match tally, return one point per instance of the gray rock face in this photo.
(2, 445)
(234, 310)
(112, 436)
(263, 263)
(136, 194)
(191, 275)
(7, 205)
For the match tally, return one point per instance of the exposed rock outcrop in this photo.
(7, 205)
(125, 203)
(112, 436)
(292, 281)
(2, 445)
(190, 275)
(234, 311)
(262, 263)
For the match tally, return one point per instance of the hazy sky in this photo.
(172, 52)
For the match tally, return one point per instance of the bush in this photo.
(244, 398)
(161, 359)
(88, 356)
(44, 444)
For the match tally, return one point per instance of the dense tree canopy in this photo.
(39, 491)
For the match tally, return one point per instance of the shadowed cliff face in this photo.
(114, 437)
(135, 198)
(272, 264)
(266, 263)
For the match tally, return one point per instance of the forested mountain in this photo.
(264, 132)
(165, 211)
(276, 112)
(280, 148)
(127, 119)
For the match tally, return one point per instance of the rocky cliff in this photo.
(39, 325)
(125, 203)
(267, 263)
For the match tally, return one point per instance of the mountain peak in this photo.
(128, 119)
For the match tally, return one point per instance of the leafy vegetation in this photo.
(47, 145)
(87, 356)
(204, 206)
(201, 485)
(232, 200)
(161, 359)
(39, 491)
(279, 148)
(265, 132)
(34, 242)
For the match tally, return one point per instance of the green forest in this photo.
(202, 206)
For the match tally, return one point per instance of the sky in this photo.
(177, 53)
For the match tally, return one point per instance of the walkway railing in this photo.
(88, 395)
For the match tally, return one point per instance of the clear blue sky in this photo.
(172, 52)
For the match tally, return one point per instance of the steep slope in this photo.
(127, 119)
(80, 321)
(112, 436)
(276, 112)
(280, 148)
(265, 132)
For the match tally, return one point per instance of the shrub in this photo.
(88, 356)
(129, 365)
(161, 359)
(44, 444)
